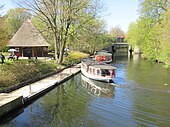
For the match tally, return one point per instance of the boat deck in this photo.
(96, 64)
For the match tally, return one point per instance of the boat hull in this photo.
(94, 77)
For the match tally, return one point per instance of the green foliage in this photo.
(14, 19)
(74, 57)
(10, 23)
(63, 19)
(164, 29)
(153, 8)
(148, 38)
(3, 34)
(151, 31)
(132, 34)
(47, 33)
(91, 37)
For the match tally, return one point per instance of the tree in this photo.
(117, 31)
(47, 33)
(153, 8)
(164, 29)
(15, 18)
(148, 25)
(3, 34)
(91, 36)
(147, 31)
(60, 16)
(132, 34)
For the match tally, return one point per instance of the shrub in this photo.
(74, 57)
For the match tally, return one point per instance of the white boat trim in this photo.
(91, 69)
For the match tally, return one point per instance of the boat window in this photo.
(102, 73)
(105, 72)
(91, 70)
(98, 72)
(94, 71)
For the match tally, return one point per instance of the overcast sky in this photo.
(119, 12)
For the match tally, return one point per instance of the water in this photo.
(141, 98)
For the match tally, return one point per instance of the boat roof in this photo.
(96, 64)
(104, 53)
(103, 66)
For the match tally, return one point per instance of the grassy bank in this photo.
(74, 57)
(17, 71)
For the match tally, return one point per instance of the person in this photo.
(66, 54)
(130, 50)
(2, 58)
(11, 56)
(17, 55)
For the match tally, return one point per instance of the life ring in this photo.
(104, 58)
(101, 58)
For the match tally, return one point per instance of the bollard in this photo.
(30, 87)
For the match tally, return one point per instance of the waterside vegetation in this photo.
(151, 32)
(17, 71)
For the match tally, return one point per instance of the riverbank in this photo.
(18, 73)
(24, 95)
(23, 81)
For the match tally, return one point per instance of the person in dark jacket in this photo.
(2, 58)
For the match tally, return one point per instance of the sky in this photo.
(120, 13)
(117, 12)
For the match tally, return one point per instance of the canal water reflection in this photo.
(98, 88)
(140, 98)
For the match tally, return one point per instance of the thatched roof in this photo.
(28, 36)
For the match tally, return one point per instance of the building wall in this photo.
(33, 51)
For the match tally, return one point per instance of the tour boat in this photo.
(97, 71)
(103, 56)
(98, 88)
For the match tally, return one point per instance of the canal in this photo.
(141, 98)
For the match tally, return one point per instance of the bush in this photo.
(74, 57)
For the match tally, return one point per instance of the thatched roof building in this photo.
(29, 41)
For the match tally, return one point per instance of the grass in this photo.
(74, 57)
(19, 71)
(13, 72)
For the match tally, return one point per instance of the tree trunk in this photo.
(61, 54)
(56, 55)
(64, 42)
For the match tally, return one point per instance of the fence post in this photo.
(30, 88)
